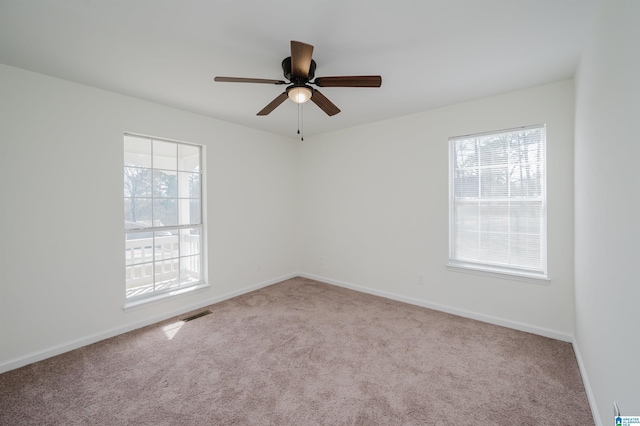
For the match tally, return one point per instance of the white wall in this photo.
(374, 207)
(607, 203)
(61, 264)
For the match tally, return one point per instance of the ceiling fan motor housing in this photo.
(286, 68)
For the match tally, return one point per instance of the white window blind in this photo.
(498, 201)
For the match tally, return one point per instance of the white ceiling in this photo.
(430, 53)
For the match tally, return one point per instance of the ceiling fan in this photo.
(299, 69)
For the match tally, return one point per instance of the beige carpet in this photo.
(302, 353)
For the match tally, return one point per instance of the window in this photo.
(497, 211)
(163, 225)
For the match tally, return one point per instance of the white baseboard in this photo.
(553, 334)
(587, 386)
(93, 338)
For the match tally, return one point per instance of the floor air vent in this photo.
(196, 316)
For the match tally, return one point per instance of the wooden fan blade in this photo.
(325, 104)
(247, 80)
(300, 58)
(273, 104)
(349, 81)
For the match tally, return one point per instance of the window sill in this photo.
(487, 271)
(141, 303)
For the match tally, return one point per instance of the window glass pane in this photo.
(137, 213)
(188, 185)
(137, 182)
(466, 152)
(166, 245)
(165, 155)
(494, 248)
(189, 211)
(138, 247)
(188, 158)
(166, 274)
(493, 151)
(137, 152)
(467, 184)
(525, 181)
(467, 216)
(494, 217)
(139, 278)
(190, 269)
(493, 182)
(467, 246)
(165, 184)
(526, 250)
(526, 218)
(190, 241)
(165, 212)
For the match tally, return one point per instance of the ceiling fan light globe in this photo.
(299, 95)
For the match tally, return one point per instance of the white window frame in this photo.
(538, 275)
(174, 238)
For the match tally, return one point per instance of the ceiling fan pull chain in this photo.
(300, 122)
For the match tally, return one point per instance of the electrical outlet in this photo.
(258, 267)
(420, 279)
(321, 261)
